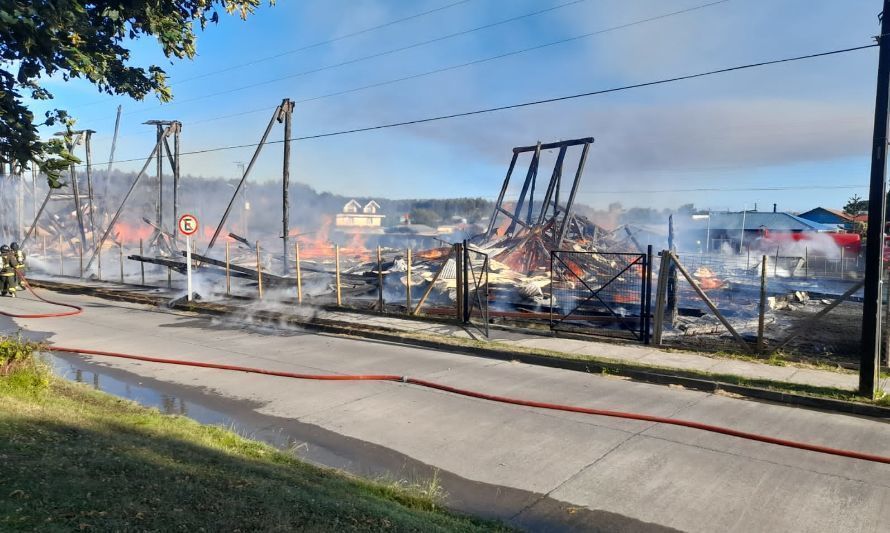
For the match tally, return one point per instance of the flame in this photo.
(318, 245)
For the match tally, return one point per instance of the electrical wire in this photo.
(527, 103)
(308, 46)
(438, 70)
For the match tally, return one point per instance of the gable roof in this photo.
(755, 220)
(836, 212)
(353, 204)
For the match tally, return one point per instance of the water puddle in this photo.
(321, 447)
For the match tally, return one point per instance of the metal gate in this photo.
(474, 279)
(601, 293)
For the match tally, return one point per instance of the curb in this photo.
(639, 373)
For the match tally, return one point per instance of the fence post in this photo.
(380, 303)
(120, 250)
(673, 280)
(648, 296)
(458, 279)
(661, 296)
(408, 282)
(228, 275)
(337, 272)
(259, 271)
(776, 265)
(762, 310)
(842, 262)
(141, 263)
(99, 263)
(466, 280)
(299, 272)
(81, 262)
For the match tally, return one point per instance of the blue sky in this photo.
(804, 126)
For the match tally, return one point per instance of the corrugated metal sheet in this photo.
(754, 220)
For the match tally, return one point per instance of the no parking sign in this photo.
(188, 226)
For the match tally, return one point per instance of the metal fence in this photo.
(600, 293)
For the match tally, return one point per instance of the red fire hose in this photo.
(454, 390)
(493, 398)
(76, 310)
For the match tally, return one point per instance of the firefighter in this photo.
(7, 271)
(19, 264)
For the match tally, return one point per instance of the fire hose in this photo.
(76, 310)
(455, 390)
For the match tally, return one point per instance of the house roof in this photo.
(836, 212)
(755, 220)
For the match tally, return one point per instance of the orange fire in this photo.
(707, 280)
(318, 245)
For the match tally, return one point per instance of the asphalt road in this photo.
(574, 471)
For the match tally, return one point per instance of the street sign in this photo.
(188, 224)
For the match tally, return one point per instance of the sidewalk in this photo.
(639, 355)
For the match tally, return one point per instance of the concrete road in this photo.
(541, 470)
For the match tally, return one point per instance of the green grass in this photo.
(76, 459)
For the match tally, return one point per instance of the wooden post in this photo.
(141, 264)
(762, 316)
(807, 323)
(429, 288)
(259, 271)
(673, 281)
(458, 275)
(704, 297)
(776, 265)
(380, 303)
(660, 297)
(228, 274)
(81, 263)
(408, 281)
(98, 263)
(61, 265)
(120, 249)
(299, 273)
(842, 262)
(169, 277)
(337, 272)
(806, 262)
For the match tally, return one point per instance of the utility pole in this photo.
(287, 110)
(871, 313)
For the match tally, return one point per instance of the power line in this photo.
(310, 46)
(533, 102)
(730, 189)
(325, 42)
(443, 69)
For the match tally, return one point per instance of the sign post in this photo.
(188, 226)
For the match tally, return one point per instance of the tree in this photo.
(82, 39)
(855, 205)
(421, 215)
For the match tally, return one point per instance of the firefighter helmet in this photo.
(14, 246)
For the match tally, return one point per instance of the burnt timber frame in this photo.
(557, 215)
(72, 140)
(157, 150)
(164, 129)
(282, 114)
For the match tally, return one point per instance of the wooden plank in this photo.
(709, 303)
(809, 322)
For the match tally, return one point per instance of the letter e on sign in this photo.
(188, 225)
